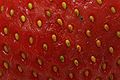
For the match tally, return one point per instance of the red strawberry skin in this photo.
(59, 40)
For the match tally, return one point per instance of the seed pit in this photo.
(6, 64)
(76, 11)
(93, 59)
(34, 74)
(76, 63)
(48, 13)
(86, 73)
(103, 66)
(98, 43)
(67, 42)
(71, 75)
(78, 47)
(23, 18)
(118, 34)
(118, 62)
(5, 49)
(113, 9)
(111, 50)
(111, 76)
(5, 30)
(106, 27)
(88, 33)
(64, 5)
(17, 36)
(19, 68)
(45, 46)
(31, 40)
(99, 2)
(91, 18)
(60, 22)
(1, 8)
(1, 74)
(54, 37)
(55, 69)
(98, 78)
(39, 61)
(62, 59)
(39, 23)
(70, 28)
(11, 12)
(23, 56)
(30, 5)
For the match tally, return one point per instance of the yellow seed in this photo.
(70, 75)
(78, 48)
(1, 74)
(76, 11)
(64, 5)
(113, 9)
(67, 42)
(5, 47)
(111, 50)
(30, 5)
(74, 1)
(17, 36)
(91, 18)
(70, 28)
(23, 18)
(5, 30)
(62, 59)
(106, 27)
(23, 55)
(34, 74)
(6, 65)
(76, 62)
(111, 77)
(31, 40)
(51, 0)
(60, 22)
(48, 13)
(45, 46)
(99, 2)
(98, 78)
(11, 12)
(118, 62)
(86, 73)
(55, 69)
(2, 8)
(39, 61)
(19, 68)
(98, 43)
(50, 78)
(118, 34)
(54, 38)
(103, 66)
(93, 59)
(88, 33)
(39, 23)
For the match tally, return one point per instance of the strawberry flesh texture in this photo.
(42, 35)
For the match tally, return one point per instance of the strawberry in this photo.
(59, 39)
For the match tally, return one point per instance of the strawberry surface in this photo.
(59, 39)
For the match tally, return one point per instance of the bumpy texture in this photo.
(59, 39)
